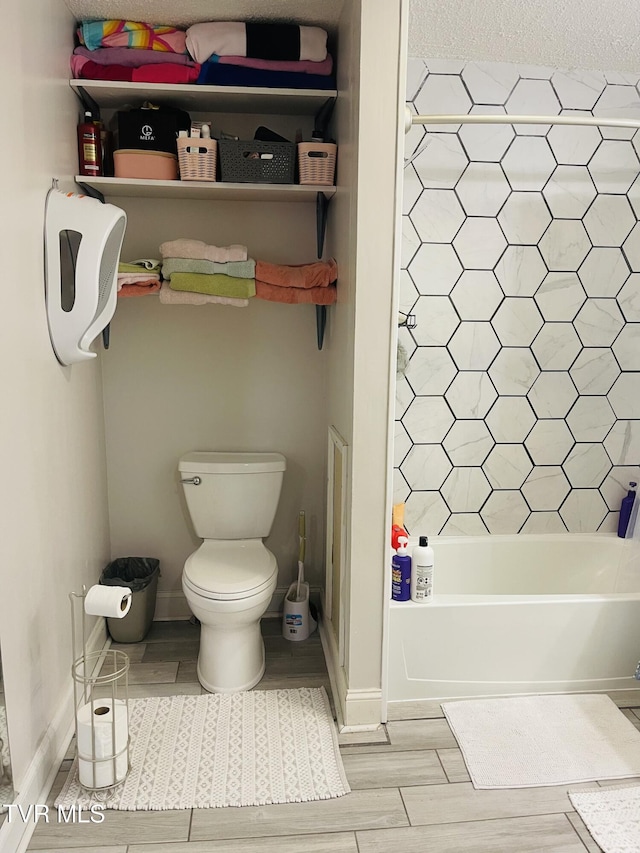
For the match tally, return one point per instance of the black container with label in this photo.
(152, 129)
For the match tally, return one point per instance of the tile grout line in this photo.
(404, 806)
(190, 825)
(582, 841)
(446, 775)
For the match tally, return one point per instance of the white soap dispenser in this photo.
(422, 561)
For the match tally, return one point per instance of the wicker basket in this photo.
(317, 162)
(197, 158)
(256, 162)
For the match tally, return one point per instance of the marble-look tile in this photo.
(549, 442)
(629, 299)
(552, 394)
(437, 216)
(465, 489)
(631, 248)
(594, 371)
(621, 78)
(529, 163)
(618, 102)
(468, 442)
(626, 348)
(435, 269)
(436, 319)
(578, 90)
(421, 734)
(391, 769)
(445, 66)
(425, 511)
(330, 842)
(477, 294)
(479, 243)
(442, 94)
(520, 270)
(443, 162)
(569, 192)
(591, 418)
(483, 189)
(401, 444)
(408, 292)
(507, 466)
(524, 219)
(430, 370)
(610, 523)
(510, 419)
(404, 397)
(614, 166)
(560, 296)
(545, 490)
(426, 467)
(416, 75)
(586, 466)
(427, 420)
(453, 764)
(486, 143)
(474, 345)
(625, 394)
(634, 191)
(534, 834)
(505, 512)
(517, 322)
(599, 322)
(401, 490)
(623, 443)
(556, 346)
(573, 145)
(564, 245)
(603, 272)
(411, 187)
(609, 220)
(410, 242)
(583, 510)
(471, 395)
(533, 97)
(544, 522)
(616, 484)
(490, 82)
(464, 524)
(514, 371)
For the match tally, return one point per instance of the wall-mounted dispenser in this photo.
(83, 239)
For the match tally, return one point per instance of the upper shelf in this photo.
(223, 99)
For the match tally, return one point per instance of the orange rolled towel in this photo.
(296, 295)
(140, 288)
(320, 274)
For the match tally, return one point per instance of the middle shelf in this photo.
(224, 191)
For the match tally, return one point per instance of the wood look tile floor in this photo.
(410, 786)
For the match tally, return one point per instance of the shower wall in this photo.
(519, 410)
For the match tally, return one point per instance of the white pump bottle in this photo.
(422, 560)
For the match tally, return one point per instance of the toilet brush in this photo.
(301, 551)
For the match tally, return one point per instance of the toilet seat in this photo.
(227, 569)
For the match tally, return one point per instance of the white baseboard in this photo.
(173, 605)
(337, 676)
(16, 834)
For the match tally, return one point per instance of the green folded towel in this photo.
(237, 269)
(214, 285)
(148, 266)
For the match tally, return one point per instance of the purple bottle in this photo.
(401, 572)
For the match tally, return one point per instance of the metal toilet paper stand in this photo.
(103, 668)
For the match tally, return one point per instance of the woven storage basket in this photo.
(257, 162)
(317, 162)
(197, 158)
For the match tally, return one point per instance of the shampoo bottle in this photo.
(625, 510)
(401, 572)
(89, 147)
(422, 571)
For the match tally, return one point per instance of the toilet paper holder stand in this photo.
(107, 669)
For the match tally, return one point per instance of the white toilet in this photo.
(228, 582)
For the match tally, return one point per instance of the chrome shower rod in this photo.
(411, 119)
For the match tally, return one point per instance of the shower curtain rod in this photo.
(411, 119)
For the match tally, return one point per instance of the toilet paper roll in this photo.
(99, 742)
(113, 601)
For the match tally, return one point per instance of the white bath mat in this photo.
(235, 749)
(527, 741)
(612, 816)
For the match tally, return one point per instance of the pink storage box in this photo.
(148, 165)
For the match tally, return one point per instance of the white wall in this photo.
(54, 506)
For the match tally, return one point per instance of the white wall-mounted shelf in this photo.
(209, 190)
(223, 99)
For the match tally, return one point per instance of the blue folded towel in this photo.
(214, 73)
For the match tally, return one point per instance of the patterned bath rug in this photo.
(225, 749)
(530, 741)
(612, 816)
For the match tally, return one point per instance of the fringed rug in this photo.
(612, 816)
(529, 741)
(236, 749)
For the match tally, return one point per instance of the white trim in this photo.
(41, 773)
(363, 706)
(336, 444)
(337, 677)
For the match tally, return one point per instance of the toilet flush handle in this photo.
(195, 481)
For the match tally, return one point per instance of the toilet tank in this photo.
(237, 495)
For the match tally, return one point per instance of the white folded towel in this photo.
(229, 38)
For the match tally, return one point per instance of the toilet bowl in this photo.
(229, 580)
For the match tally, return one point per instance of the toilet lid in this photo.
(230, 569)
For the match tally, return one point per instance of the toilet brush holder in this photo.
(297, 621)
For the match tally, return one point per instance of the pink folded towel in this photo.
(296, 295)
(198, 250)
(304, 66)
(137, 278)
(318, 274)
(186, 297)
(140, 288)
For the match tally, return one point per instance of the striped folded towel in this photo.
(95, 34)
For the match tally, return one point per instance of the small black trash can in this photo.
(140, 574)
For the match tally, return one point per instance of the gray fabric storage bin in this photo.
(141, 575)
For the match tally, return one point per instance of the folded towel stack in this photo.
(196, 273)
(306, 283)
(132, 51)
(284, 56)
(138, 278)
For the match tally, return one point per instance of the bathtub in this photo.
(519, 614)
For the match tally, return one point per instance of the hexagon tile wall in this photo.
(520, 410)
